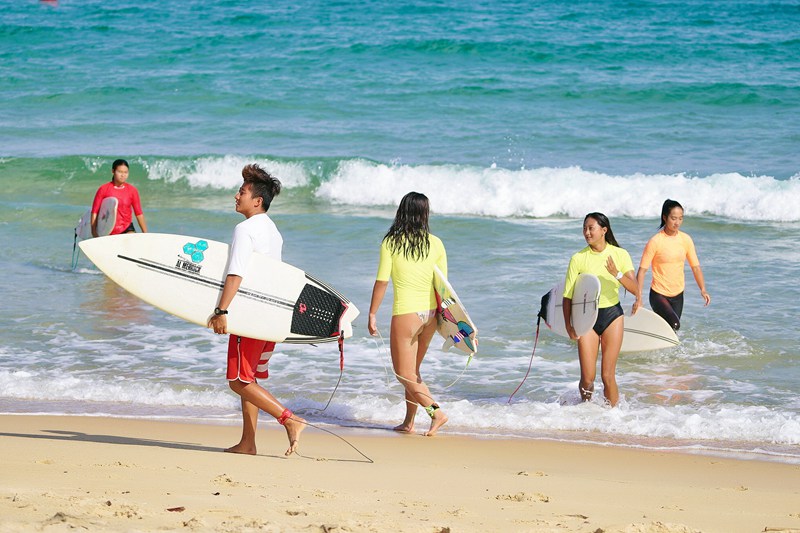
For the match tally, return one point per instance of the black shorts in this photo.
(605, 316)
(130, 229)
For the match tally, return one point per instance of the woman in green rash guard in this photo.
(613, 266)
(409, 252)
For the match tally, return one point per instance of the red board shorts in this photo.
(248, 358)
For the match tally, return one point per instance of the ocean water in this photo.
(515, 119)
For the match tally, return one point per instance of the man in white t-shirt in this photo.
(248, 358)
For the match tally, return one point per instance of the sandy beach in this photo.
(102, 474)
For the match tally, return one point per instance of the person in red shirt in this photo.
(128, 197)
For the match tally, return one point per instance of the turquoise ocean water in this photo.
(515, 118)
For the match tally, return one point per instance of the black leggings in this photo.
(668, 307)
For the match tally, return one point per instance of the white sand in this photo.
(101, 474)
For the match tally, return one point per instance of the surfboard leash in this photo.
(530, 364)
(382, 347)
(461, 374)
(341, 373)
(362, 454)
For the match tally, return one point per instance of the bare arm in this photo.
(94, 224)
(142, 223)
(640, 283)
(701, 282)
(378, 292)
(567, 309)
(219, 323)
(628, 280)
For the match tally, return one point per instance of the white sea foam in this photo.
(633, 419)
(501, 192)
(23, 385)
(572, 192)
(221, 172)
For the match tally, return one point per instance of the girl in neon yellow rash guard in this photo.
(613, 266)
(408, 254)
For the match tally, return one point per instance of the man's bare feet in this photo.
(404, 428)
(294, 426)
(439, 419)
(247, 449)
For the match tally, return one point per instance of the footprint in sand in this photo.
(71, 522)
(659, 527)
(524, 497)
(224, 479)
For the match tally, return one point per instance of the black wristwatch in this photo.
(218, 311)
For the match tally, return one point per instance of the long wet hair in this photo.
(409, 233)
(603, 222)
(666, 209)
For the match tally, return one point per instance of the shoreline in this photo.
(777, 453)
(111, 474)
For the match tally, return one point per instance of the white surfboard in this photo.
(106, 220)
(184, 276)
(585, 299)
(646, 331)
(453, 321)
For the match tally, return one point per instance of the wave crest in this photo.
(570, 191)
(223, 172)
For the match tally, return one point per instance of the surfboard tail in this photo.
(543, 309)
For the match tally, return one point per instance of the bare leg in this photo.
(261, 398)
(409, 344)
(611, 342)
(294, 426)
(439, 418)
(247, 444)
(588, 345)
(411, 412)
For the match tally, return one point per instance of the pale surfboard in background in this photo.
(106, 220)
(646, 331)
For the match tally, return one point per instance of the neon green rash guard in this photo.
(412, 281)
(588, 261)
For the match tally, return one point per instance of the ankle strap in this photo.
(285, 415)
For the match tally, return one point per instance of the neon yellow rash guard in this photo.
(588, 261)
(412, 281)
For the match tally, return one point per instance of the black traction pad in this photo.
(317, 313)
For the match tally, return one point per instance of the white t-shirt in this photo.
(256, 234)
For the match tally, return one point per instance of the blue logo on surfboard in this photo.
(195, 251)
